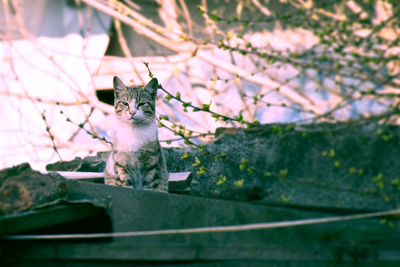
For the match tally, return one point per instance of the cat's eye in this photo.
(124, 104)
(141, 104)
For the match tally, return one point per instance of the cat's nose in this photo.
(132, 112)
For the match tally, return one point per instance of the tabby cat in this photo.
(136, 158)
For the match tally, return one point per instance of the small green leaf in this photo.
(240, 117)
(285, 198)
(353, 170)
(201, 171)
(243, 164)
(283, 172)
(277, 129)
(185, 155)
(206, 107)
(387, 137)
(221, 179)
(250, 170)
(290, 127)
(267, 174)
(197, 162)
(213, 16)
(187, 104)
(164, 117)
(395, 181)
(238, 183)
(337, 163)
(390, 95)
(270, 60)
(255, 100)
(386, 198)
(377, 178)
(380, 184)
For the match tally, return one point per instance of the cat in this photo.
(136, 158)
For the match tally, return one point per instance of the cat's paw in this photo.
(122, 158)
(112, 181)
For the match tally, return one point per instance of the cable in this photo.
(212, 229)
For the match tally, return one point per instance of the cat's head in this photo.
(135, 105)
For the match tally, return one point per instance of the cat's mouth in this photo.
(136, 120)
(139, 120)
(132, 116)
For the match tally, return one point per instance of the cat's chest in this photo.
(128, 138)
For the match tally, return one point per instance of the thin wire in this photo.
(212, 229)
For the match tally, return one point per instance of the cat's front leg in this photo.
(153, 179)
(123, 176)
(122, 161)
(110, 174)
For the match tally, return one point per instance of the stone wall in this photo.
(322, 166)
(22, 188)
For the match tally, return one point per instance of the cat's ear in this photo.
(152, 87)
(119, 86)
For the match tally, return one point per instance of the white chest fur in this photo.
(128, 137)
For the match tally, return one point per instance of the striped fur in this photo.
(136, 158)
